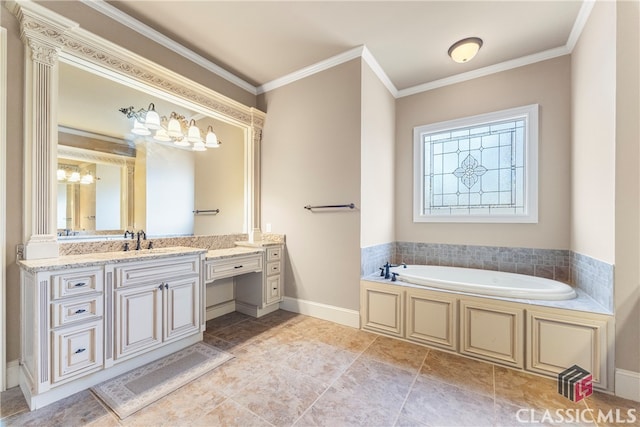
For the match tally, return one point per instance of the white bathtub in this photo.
(485, 282)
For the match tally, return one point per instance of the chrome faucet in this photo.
(142, 234)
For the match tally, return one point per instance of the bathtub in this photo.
(484, 282)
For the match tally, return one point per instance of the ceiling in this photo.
(262, 41)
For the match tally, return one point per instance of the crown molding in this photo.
(360, 51)
(368, 57)
(305, 72)
(485, 71)
(148, 32)
(578, 25)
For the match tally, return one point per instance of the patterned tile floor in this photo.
(296, 370)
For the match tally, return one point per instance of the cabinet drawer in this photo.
(273, 268)
(274, 254)
(274, 290)
(229, 267)
(77, 350)
(158, 271)
(77, 282)
(65, 312)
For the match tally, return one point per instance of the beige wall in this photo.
(14, 160)
(593, 82)
(311, 155)
(627, 194)
(545, 83)
(377, 161)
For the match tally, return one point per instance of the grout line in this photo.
(335, 380)
(413, 383)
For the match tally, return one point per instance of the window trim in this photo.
(530, 114)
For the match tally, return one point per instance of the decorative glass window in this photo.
(478, 169)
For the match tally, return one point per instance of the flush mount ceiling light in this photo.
(175, 128)
(464, 50)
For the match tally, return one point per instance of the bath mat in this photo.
(132, 391)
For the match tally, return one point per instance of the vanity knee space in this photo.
(539, 339)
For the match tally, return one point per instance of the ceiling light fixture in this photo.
(464, 50)
(175, 128)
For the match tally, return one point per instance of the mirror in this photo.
(51, 39)
(139, 183)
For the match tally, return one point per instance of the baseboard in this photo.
(13, 374)
(221, 309)
(628, 384)
(331, 313)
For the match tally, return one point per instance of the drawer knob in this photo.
(80, 350)
(80, 284)
(79, 311)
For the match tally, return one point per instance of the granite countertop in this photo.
(257, 243)
(102, 258)
(232, 252)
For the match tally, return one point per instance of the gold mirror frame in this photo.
(47, 37)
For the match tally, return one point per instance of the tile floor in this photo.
(291, 369)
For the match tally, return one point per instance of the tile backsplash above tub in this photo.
(592, 276)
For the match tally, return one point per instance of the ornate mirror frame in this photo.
(48, 37)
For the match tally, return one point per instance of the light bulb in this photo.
(162, 135)
(75, 177)
(199, 146)
(193, 134)
(140, 129)
(212, 139)
(152, 119)
(61, 174)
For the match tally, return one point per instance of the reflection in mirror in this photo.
(163, 183)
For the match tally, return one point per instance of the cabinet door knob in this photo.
(80, 350)
(166, 286)
(161, 286)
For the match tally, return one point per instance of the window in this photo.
(478, 169)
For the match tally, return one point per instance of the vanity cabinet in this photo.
(154, 304)
(62, 325)
(257, 270)
(89, 318)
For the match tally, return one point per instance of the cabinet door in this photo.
(381, 308)
(182, 302)
(492, 331)
(556, 342)
(432, 318)
(138, 316)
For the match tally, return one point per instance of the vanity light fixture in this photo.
(72, 174)
(464, 50)
(175, 128)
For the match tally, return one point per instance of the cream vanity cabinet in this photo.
(257, 270)
(88, 318)
(539, 339)
(154, 303)
(62, 325)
